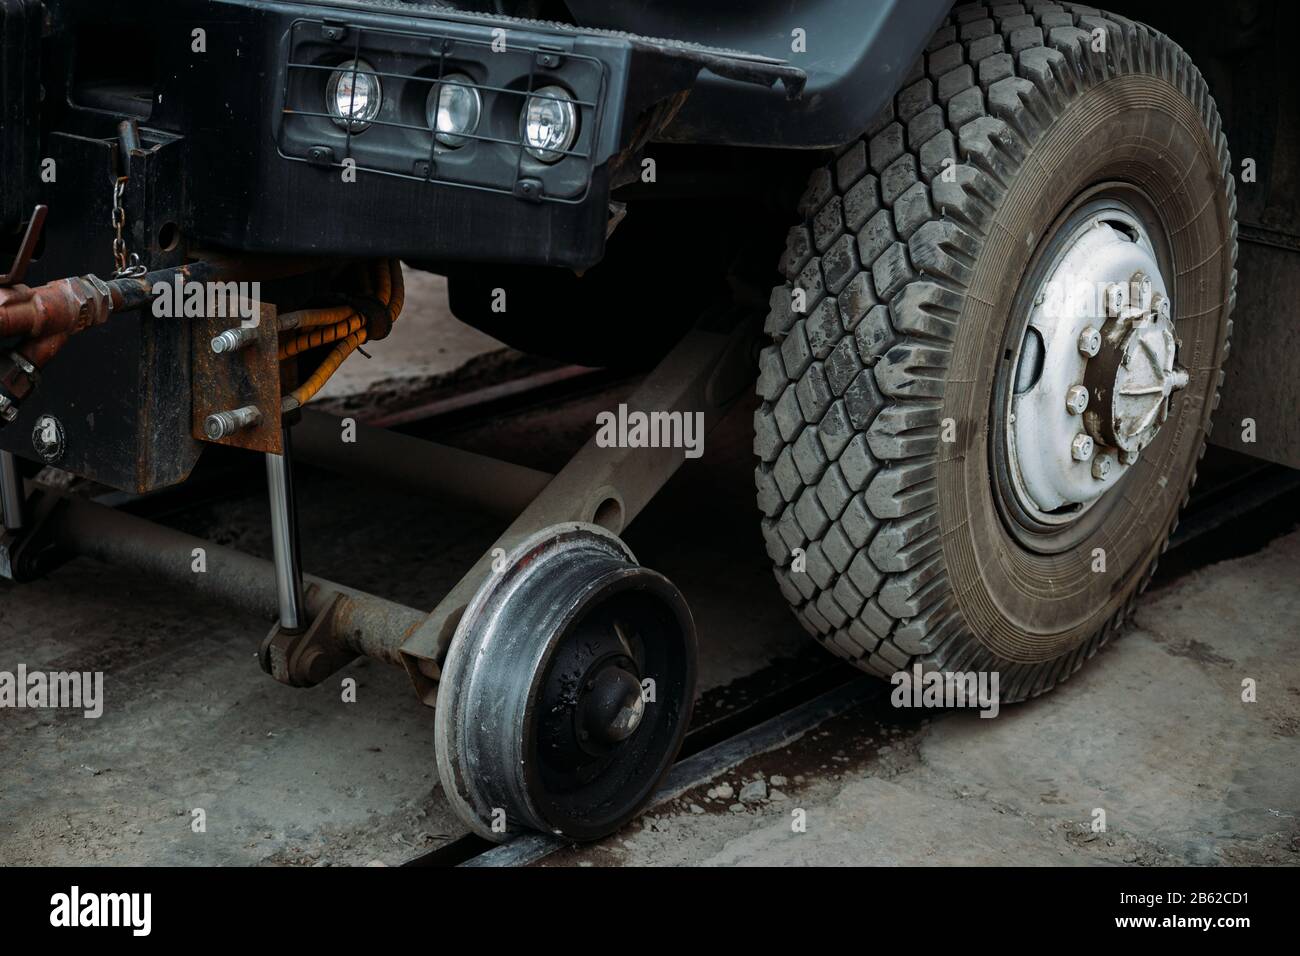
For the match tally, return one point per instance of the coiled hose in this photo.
(340, 323)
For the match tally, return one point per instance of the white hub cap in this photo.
(1096, 368)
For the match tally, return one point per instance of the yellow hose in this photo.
(305, 392)
(319, 336)
(391, 294)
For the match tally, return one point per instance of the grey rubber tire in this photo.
(906, 277)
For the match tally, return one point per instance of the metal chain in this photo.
(128, 264)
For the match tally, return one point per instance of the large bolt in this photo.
(1101, 466)
(234, 339)
(1076, 399)
(1127, 457)
(221, 425)
(1089, 342)
(1081, 447)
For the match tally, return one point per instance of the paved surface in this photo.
(1153, 731)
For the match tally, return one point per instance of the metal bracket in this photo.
(26, 249)
(227, 381)
(30, 552)
(305, 658)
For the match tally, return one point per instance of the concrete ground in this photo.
(1153, 731)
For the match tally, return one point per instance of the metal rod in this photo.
(397, 462)
(284, 537)
(11, 491)
(368, 624)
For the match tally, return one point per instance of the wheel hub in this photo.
(1096, 368)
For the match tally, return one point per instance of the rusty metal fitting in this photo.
(221, 425)
(64, 305)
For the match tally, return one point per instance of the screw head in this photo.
(1101, 466)
(1090, 342)
(1076, 399)
(1081, 447)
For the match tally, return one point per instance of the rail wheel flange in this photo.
(566, 690)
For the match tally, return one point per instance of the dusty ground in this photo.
(1153, 731)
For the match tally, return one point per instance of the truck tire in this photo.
(912, 448)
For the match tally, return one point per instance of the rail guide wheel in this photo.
(566, 690)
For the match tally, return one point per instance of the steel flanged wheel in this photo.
(567, 689)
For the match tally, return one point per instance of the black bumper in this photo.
(240, 108)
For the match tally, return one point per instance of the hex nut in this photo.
(1081, 447)
(1090, 342)
(1076, 399)
(1101, 466)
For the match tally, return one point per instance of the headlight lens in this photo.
(548, 126)
(353, 95)
(453, 108)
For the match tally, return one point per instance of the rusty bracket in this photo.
(305, 658)
(226, 381)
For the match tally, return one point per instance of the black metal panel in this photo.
(20, 33)
(120, 391)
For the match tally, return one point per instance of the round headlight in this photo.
(353, 95)
(548, 124)
(453, 109)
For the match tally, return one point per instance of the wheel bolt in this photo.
(1101, 467)
(1128, 457)
(1081, 447)
(1090, 342)
(1076, 399)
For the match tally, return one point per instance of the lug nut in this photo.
(1076, 399)
(1142, 287)
(1090, 342)
(1101, 467)
(234, 339)
(221, 425)
(1081, 447)
(1127, 457)
(1160, 304)
(1116, 298)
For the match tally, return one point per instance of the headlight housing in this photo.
(548, 124)
(353, 95)
(453, 109)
